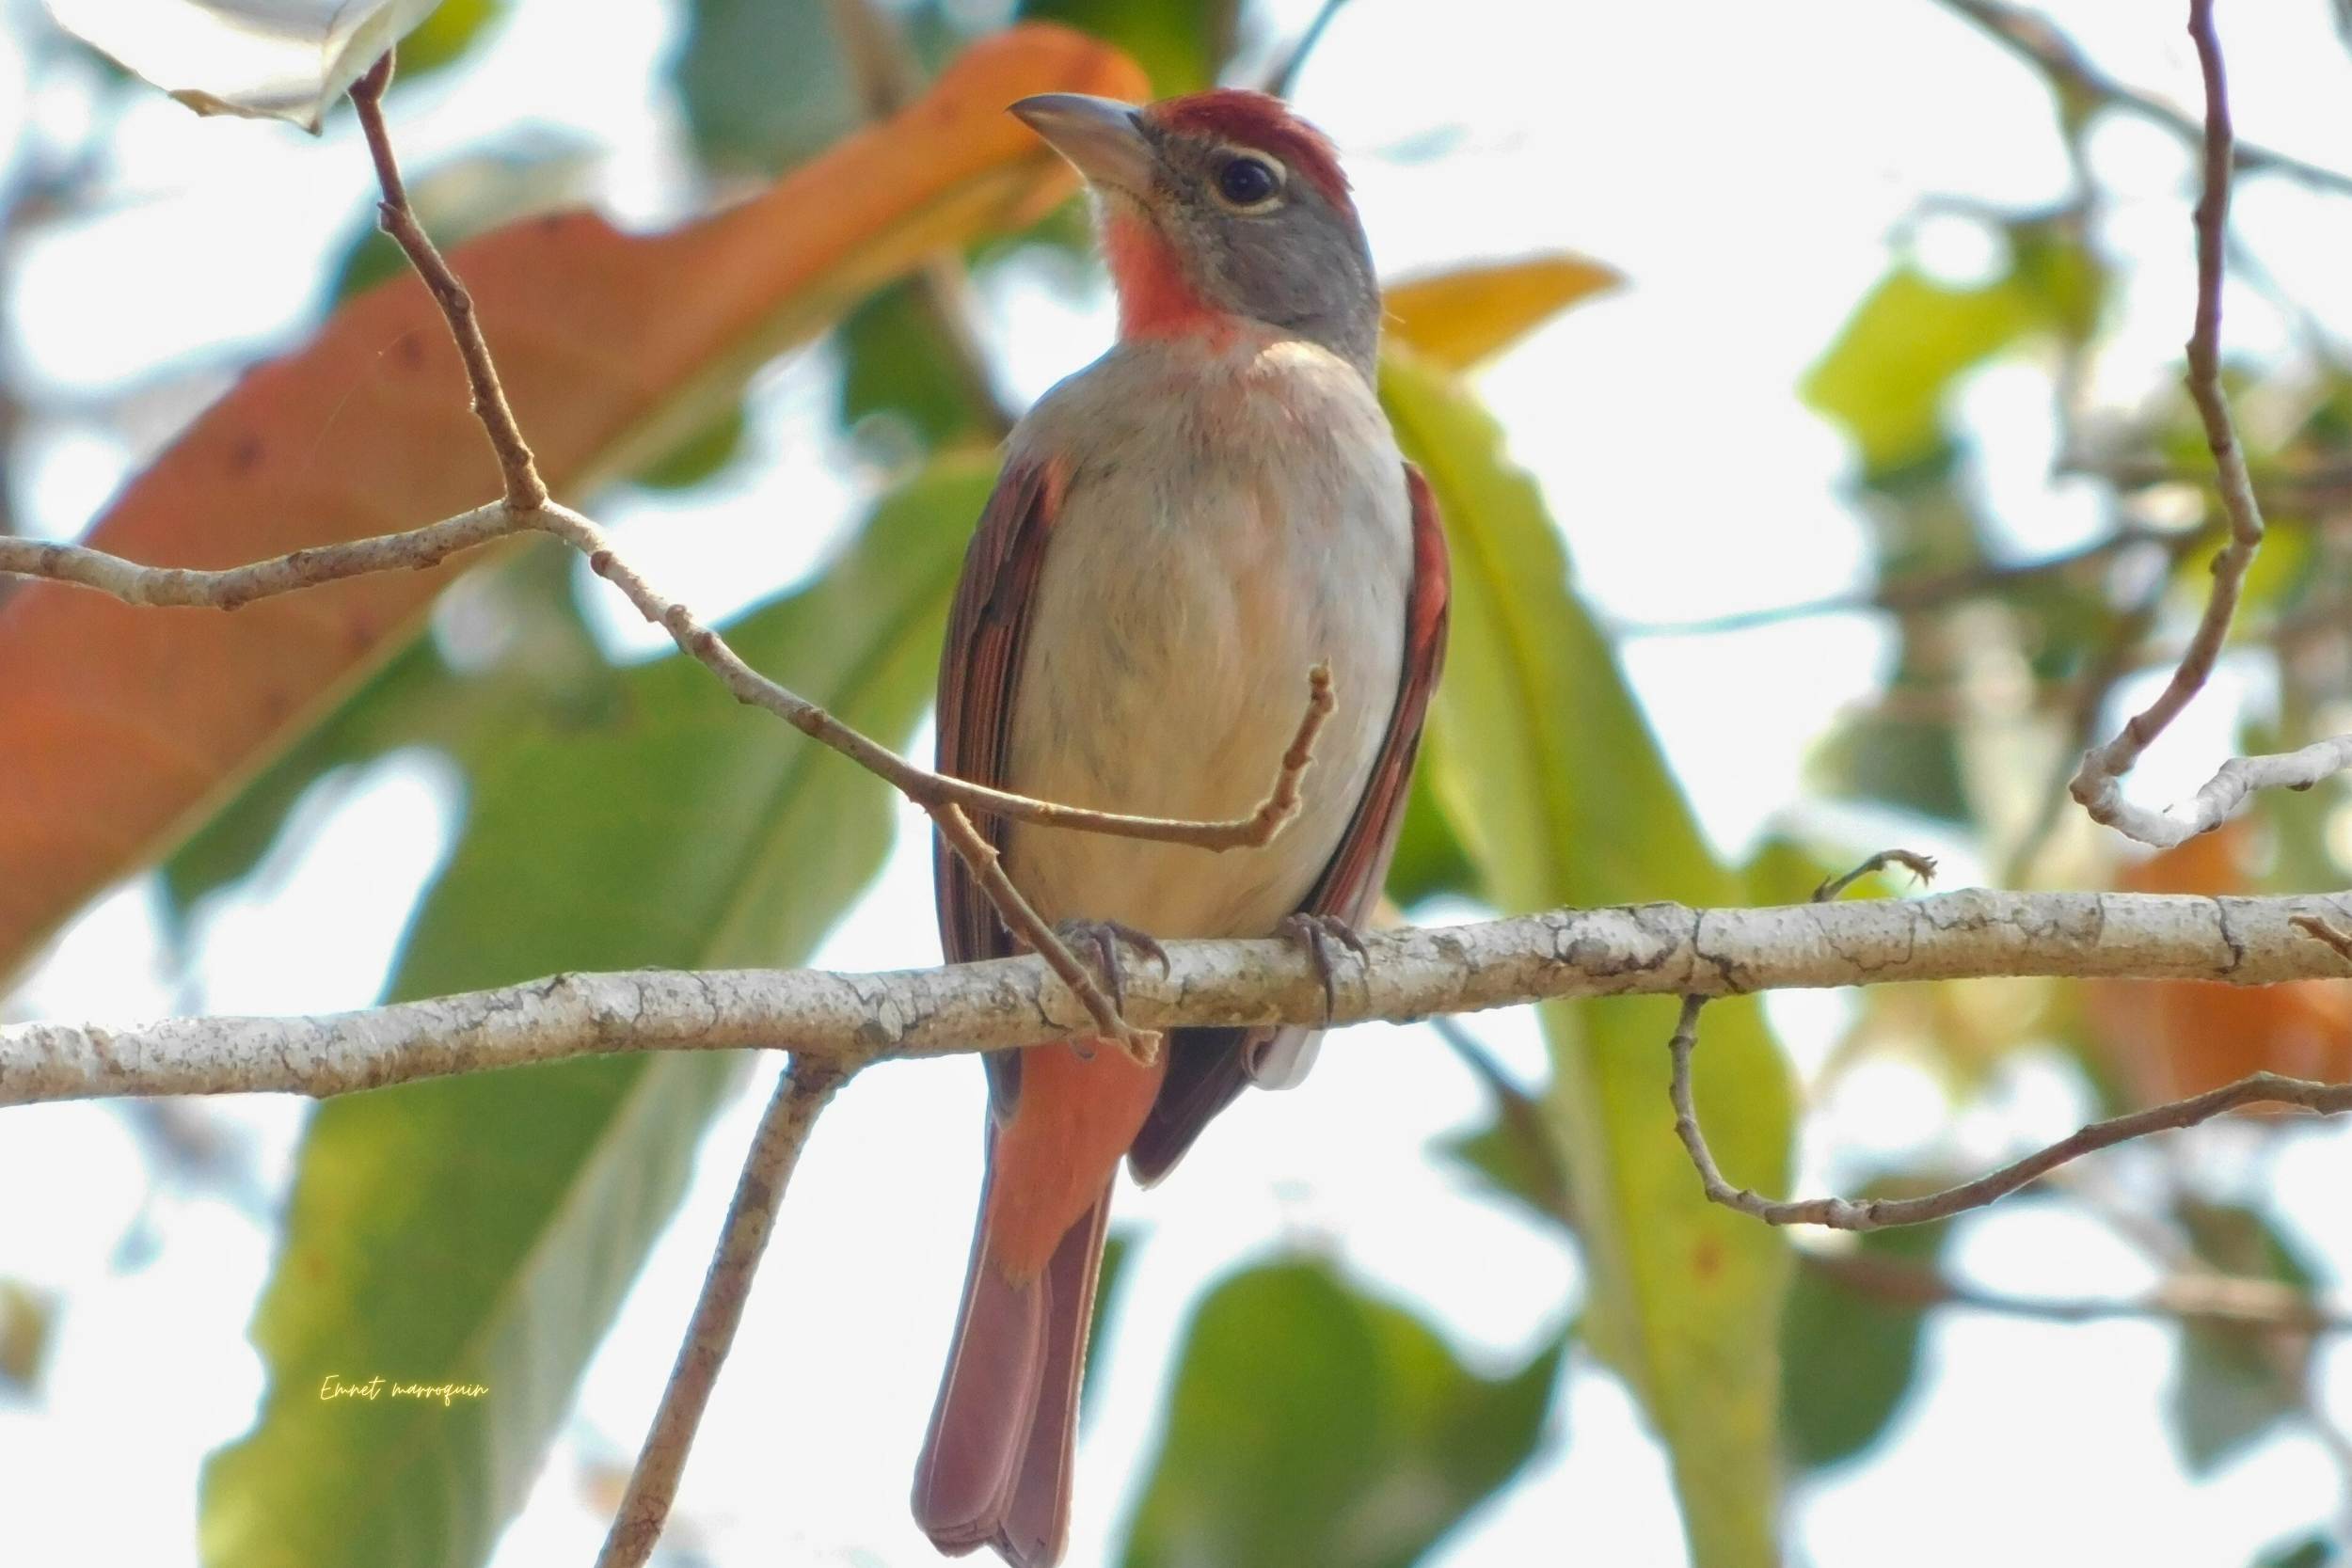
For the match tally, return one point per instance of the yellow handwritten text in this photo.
(379, 1386)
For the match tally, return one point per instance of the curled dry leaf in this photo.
(264, 59)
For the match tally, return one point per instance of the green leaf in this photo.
(484, 1228)
(700, 455)
(2233, 1390)
(2226, 1396)
(1430, 859)
(1545, 765)
(28, 1324)
(763, 82)
(1848, 1358)
(1311, 1424)
(2312, 1551)
(1499, 1159)
(548, 665)
(442, 39)
(1886, 378)
(1181, 44)
(896, 365)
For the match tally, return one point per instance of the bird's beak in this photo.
(1102, 138)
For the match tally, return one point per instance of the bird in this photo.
(1179, 533)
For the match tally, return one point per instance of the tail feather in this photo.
(996, 1468)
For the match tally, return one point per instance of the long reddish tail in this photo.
(997, 1464)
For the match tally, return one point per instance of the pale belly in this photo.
(1166, 667)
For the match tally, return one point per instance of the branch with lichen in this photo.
(853, 1019)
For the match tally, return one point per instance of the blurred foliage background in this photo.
(609, 808)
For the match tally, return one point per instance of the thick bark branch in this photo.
(1644, 949)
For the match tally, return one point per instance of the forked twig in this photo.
(2098, 784)
(1920, 866)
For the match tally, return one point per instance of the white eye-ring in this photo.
(1246, 181)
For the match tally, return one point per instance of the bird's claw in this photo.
(1317, 933)
(1106, 937)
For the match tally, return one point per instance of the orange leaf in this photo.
(121, 727)
(1461, 317)
(2166, 1040)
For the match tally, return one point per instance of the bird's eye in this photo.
(1247, 182)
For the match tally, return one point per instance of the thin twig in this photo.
(1921, 867)
(926, 788)
(2097, 784)
(2334, 936)
(1839, 1213)
(2035, 40)
(235, 586)
(1285, 76)
(806, 1085)
(2219, 1300)
(2120, 654)
(1905, 596)
(2319, 485)
(525, 490)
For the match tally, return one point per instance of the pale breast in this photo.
(1247, 521)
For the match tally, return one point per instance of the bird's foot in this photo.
(1321, 935)
(1105, 938)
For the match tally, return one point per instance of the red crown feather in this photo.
(1266, 123)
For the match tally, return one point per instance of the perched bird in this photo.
(1181, 532)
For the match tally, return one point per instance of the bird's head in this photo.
(1221, 212)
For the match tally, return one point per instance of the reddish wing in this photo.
(978, 668)
(1207, 1068)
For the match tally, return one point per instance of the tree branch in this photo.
(1839, 1213)
(804, 1090)
(2039, 44)
(2219, 1300)
(2098, 784)
(1643, 949)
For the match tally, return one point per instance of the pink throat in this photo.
(1155, 298)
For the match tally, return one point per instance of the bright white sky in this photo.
(1747, 165)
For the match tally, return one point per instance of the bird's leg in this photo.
(1106, 937)
(1318, 934)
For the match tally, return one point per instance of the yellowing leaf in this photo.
(1460, 317)
(1546, 767)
